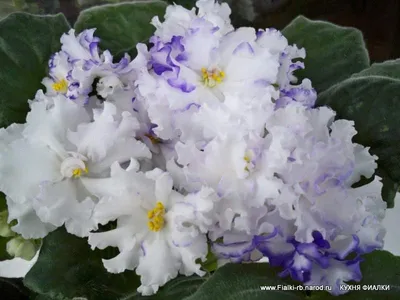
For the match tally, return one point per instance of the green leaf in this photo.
(390, 68)
(242, 282)
(334, 53)
(7, 7)
(211, 263)
(45, 297)
(373, 103)
(26, 43)
(378, 268)
(121, 26)
(68, 268)
(390, 188)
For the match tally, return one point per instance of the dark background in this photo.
(379, 20)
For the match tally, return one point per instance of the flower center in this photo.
(156, 217)
(106, 85)
(74, 166)
(60, 86)
(212, 78)
(76, 173)
(153, 139)
(248, 157)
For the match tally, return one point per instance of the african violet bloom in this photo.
(204, 139)
(319, 218)
(332, 260)
(234, 166)
(159, 232)
(46, 188)
(320, 262)
(324, 260)
(74, 69)
(177, 19)
(276, 43)
(184, 77)
(321, 162)
(210, 74)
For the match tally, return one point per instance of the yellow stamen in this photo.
(247, 159)
(76, 173)
(151, 226)
(156, 217)
(154, 140)
(60, 86)
(211, 78)
(150, 214)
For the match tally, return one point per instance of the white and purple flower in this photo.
(81, 70)
(204, 140)
(159, 232)
(317, 219)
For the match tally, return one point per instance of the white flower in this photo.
(177, 19)
(197, 66)
(74, 69)
(159, 231)
(321, 165)
(237, 115)
(234, 167)
(202, 67)
(59, 70)
(206, 135)
(216, 13)
(303, 93)
(46, 189)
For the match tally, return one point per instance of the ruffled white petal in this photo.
(159, 264)
(94, 139)
(29, 226)
(21, 174)
(49, 120)
(66, 202)
(126, 260)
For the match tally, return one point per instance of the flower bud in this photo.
(19, 247)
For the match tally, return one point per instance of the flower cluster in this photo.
(204, 141)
